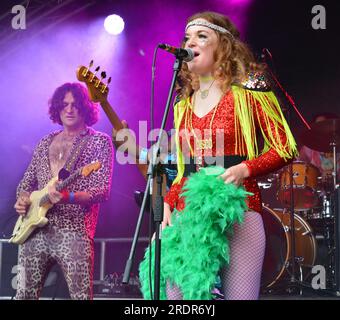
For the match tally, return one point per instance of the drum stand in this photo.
(332, 239)
(293, 282)
(336, 215)
(332, 230)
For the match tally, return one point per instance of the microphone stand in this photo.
(291, 182)
(158, 209)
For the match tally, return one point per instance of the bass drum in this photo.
(278, 246)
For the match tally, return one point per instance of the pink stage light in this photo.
(114, 24)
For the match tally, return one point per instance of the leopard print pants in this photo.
(73, 252)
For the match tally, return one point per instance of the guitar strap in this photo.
(77, 152)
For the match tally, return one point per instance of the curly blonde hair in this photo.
(233, 59)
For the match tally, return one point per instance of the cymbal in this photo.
(321, 135)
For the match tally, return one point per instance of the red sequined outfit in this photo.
(224, 120)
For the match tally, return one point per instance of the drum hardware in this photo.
(319, 237)
(316, 137)
(336, 255)
(273, 177)
(292, 280)
(266, 182)
(320, 219)
(278, 257)
(300, 189)
(264, 185)
(287, 196)
(305, 185)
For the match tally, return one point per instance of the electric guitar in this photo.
(98, 92)
(40, 204)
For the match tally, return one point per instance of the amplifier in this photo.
(8, 268)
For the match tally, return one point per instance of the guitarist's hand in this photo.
(54, 195)
(22, 203)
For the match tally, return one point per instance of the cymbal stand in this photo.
(293, 258)
(293, 282)
(336, 260)
(334, 173)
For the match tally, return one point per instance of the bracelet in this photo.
(71, 197)
(66, 195)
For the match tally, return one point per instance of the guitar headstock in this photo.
(98, 90)
(88, 169)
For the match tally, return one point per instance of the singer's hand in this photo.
(166, 216)
(236, 174)
(166, 219)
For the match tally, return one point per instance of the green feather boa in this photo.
(195, 247)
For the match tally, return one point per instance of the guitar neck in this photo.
(117, 124)
(115, 121)
(61, 186)
(68, 180)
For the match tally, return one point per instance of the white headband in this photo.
(208, 25)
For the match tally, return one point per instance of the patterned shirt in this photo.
(74, 217)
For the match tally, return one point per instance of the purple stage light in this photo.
(114, 24)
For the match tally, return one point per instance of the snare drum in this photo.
(305, 185)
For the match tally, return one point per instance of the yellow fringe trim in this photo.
(247, 106)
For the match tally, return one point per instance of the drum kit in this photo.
(315, 236)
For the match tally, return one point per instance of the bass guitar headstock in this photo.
(98, 90)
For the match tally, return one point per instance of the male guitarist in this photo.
(67, 239)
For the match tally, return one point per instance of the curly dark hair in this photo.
(86, 107)
(233, 58)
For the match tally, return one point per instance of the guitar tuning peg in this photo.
(103, 74)
(105, 86)
(94, 73)
(86, 70)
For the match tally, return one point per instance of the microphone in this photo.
(185, 54)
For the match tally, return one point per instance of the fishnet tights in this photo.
(241, 278)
